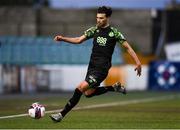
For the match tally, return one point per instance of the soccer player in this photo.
(104, 41)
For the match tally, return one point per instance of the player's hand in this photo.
(58, 38)
(138, 69)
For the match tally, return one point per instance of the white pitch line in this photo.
(122, 103)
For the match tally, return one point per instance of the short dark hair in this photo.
(105, 10)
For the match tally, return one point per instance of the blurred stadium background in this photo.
(32, 63)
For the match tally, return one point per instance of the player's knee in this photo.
(83, 87)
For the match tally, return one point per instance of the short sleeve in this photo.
(118, 35)
(90, 32)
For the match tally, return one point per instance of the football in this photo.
(36, 111)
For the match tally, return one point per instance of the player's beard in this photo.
(101, 25)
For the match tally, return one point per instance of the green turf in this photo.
(156, 114)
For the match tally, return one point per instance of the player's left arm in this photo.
(134, 56)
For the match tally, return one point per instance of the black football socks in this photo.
(101, 90)
(77, 95)
(72, 102)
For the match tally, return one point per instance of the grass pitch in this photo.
(136, 111)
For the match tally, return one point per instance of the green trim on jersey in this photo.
(90, 32)
(118, 35)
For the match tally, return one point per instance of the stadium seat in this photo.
(44, 50)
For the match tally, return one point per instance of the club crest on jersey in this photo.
(111, 34)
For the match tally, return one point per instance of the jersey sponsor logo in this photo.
(111, 34)
(101, 41)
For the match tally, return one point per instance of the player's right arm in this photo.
(75, 40)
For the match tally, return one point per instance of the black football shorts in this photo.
(95, 77)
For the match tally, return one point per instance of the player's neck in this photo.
(105, 26)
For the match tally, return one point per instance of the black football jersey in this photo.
(104, 41)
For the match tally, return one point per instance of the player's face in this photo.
(101, 19)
